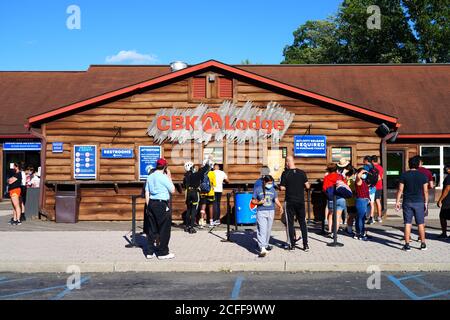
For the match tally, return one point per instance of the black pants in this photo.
(296, 209)
(161, 216)
(218, 199)
(192, 201)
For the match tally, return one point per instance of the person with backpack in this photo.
(191, 182)
(444, 203)
(207, 196)
(265, 197)
(330, 180)
(372, 179)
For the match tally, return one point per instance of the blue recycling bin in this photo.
(245, 210)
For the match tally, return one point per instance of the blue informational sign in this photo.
(148, 155)
(22, 146)
(117, 153)
(57, 147)
(310, 146)
(85, 162)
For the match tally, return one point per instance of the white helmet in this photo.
(208, 162)
(188, 166)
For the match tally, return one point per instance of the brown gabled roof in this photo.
(418, 95)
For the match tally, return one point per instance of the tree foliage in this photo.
(405, 31)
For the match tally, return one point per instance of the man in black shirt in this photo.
(191, 183)
(414, 187)
(444, 203)
(294, 181)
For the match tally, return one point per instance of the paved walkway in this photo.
(104, 251)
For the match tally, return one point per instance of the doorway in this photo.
(30, 158)
(395, 167)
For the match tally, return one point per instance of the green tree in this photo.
(314, 42)
(430, 20)
(408, 31)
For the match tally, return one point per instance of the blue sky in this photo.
(34, 35)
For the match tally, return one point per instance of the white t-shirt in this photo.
(220, 176)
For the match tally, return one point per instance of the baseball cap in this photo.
(161, 162)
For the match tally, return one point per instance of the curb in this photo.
(167, 266)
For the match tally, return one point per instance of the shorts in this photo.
(205, 199)
(372, 192)
(416, 210)
(444, 214)
(15, 193)
(341, 204)
(378, 194)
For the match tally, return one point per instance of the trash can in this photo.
(32, 202)
(67, 203)
(245, 209)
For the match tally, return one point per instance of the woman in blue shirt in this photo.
(265, 197)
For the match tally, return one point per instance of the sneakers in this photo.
(363, 238)
(201, 223)
(211, 223)
(167, 256)
(263, 253)
(406, 247)
(12, 221)
(23, 217)
(423, 246)
(349, 232)
(442, 236)
(306, 248)
(17, 223)
(269, 247)
(217, 223)
(370, 221)
(192, 231)
(150, 256)
(379, 220)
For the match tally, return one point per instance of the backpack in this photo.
(372, 176)
(342, 191)
(205, 185)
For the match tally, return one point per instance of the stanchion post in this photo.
(308, 199)
(228, 218)
(133, 223)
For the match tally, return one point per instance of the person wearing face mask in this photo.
(265, 197)
(361, 202)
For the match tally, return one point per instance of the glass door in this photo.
(395, 167)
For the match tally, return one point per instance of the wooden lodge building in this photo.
(103, 117)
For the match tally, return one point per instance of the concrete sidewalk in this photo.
(104, 251)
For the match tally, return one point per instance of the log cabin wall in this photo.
(133, 115)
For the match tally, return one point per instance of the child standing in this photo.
(265, 197)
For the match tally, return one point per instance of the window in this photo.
(199, 87)
(337, 153)
(225, 87)
(434, 159)
(216, 152)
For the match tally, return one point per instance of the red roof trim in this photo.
(202, 66)
(425, 136)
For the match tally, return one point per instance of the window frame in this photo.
(441, 164)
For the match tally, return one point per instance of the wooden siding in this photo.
(134, 114)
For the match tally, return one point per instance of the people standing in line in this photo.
(15, 190)
(158, 188)
(343, 166)
(372, 179)
(444, 203)
(191, 183)
(362, 195)
(414, 188)
(265, 197)
(329, 181)
(221, 178)
(378, 189)
(207, 197)
(294, 181)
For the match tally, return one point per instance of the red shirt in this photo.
(330, 180)
(362, 191)
(426, 172)
(379, 185)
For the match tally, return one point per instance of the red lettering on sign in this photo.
(160, 125)
(279, 125)
(177, 122)
(190, 122)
